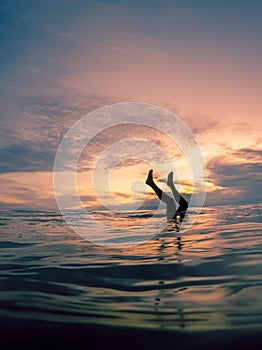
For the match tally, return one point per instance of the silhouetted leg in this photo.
(178, 197)
(170, 203)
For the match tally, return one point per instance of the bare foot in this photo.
(149, 180)
(170, 181)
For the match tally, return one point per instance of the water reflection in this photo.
(164, 244)
(206, 278)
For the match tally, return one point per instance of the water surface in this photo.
(207, 280)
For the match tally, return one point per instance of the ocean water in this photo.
(196, 289)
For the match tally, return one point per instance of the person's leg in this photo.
(160, 194)
(171, 205)
(178, 197)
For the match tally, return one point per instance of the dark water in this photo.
(198, 289)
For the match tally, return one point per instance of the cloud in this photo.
(59, 63)
(30, 145)
(249, 154)
(26, 156)
(47, 116)
(121, 50)
(34, 128)
(239, 175)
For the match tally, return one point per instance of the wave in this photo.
(208, 278)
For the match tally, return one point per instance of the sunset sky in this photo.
(60, 60)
